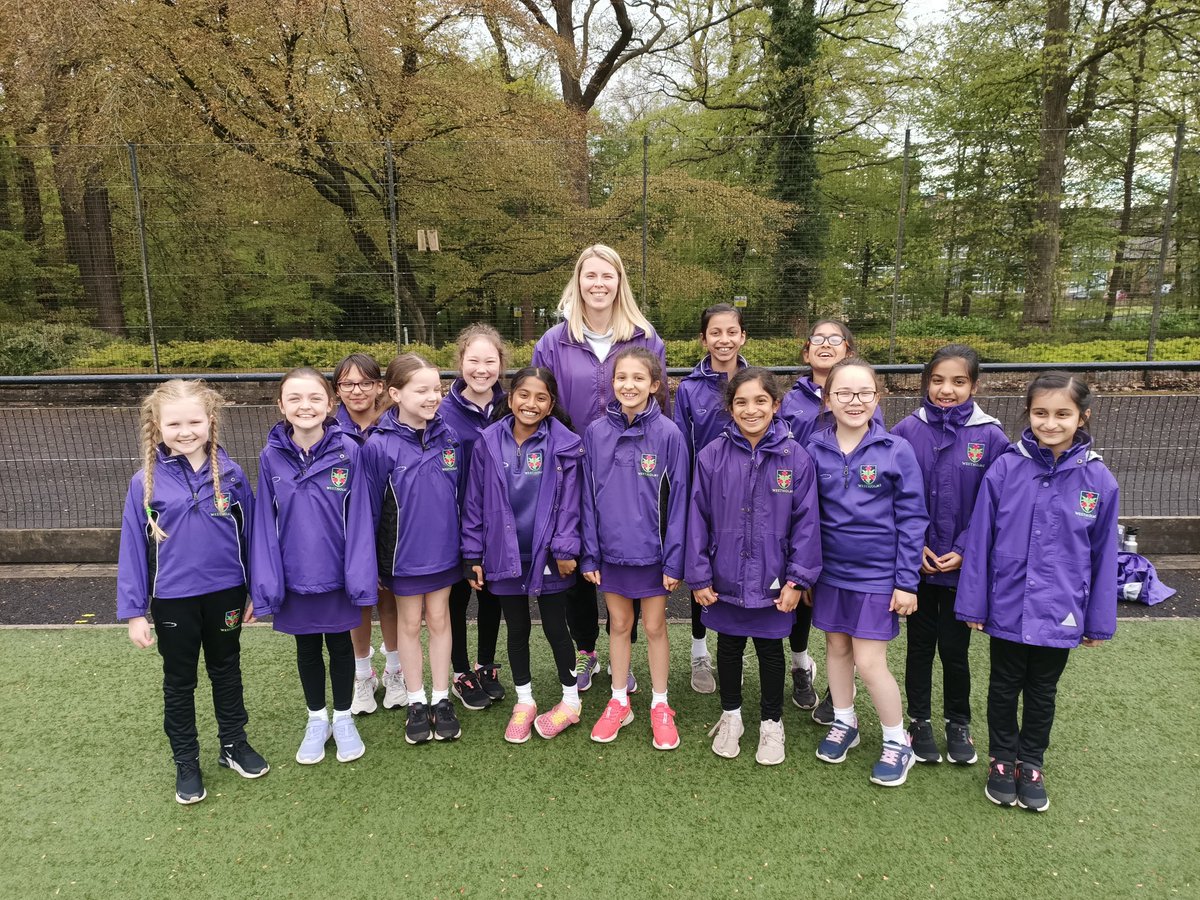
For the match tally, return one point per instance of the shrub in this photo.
(41, 346)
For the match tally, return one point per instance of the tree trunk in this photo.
(1119, 278)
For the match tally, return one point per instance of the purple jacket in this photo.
(312, 522)
(954, 448)
(803, 410)
(634, 476)
(700, 412)
(465, 419)
(206, 548)
(489, 532)
(584, 382)
(752, 523)
(873, 518)
(413, 479)
(349, 428)
(1040, 559)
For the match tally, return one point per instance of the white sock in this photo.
(439, 696)
(800, 660)
(571, 696)
(845, 716)
(362, 666)
(393, 661)
(896, 734)
(339, 714)
(524, 693)
(699, 647)
(657, 698)
(736, 713)
(322, 714)
(418, 696)
(621, 694)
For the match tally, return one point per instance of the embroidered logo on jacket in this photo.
(783, 481)
(221, 502)
(533, 463)
(1088, 501)
(233, 618)
(975, 452)
(868, 476)
(649, 463)
(449, 460)
(338, 477)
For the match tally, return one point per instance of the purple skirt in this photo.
(326, 613)
(763, 622)
(413, 585)
(634, 582)
(855, 613)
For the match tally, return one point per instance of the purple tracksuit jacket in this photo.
(752, 522)
(312, 523)
(207, 541)
(635, 492)
(413, 479)
(584, 382)
(700, 412)
(954, 448)
(342, 415)
(465, 419)
(802, 409)
(489, 530)
(873, 518)
(1040, 556)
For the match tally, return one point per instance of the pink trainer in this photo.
(520, 724)
(556, 721)
(662, 722)
(614, 717)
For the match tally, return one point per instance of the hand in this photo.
(705, 596)
(806, 597)
(139, 632)
(788, 598)
(929, 561)
(1091, 642)
(669, 583)
(566, 567)
(903, 602)
(975, 626)
(248, 617)
(477, 581)
(951, 562)
(592, 577)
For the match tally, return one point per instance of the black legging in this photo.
(730, 648)
(799, 636)
(310, 661)
(553, 610)
(699, 632)
(488, 620)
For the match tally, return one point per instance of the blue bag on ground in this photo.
(1137, 580)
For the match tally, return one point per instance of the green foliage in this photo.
(39, 346)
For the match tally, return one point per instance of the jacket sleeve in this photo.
(566, 539)
(375, 474)
(973, 598)
(997, 441)
(912, 519)
(697, 565)
(679, 468)
(362, 574)
(804, 538)
(472, 507)
(244, 497)
(589, 560)
(543, 354)
(682, 417)
(266, 555)
(1100, 617)
(133, 574)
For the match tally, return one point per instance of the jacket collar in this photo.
(771, 442)
(617, 416)
(876, 434)
(561, 440)
(1079, 453)
(704, 370)
(280, 438)
(390, 424)
(807, 386)
(964, 414)
(456, 397)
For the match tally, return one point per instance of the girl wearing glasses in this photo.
(873, 525)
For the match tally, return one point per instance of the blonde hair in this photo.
(399, 373)
(151, 415)
(626, 316)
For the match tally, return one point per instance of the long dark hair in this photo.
(546, 377)
(951, 351)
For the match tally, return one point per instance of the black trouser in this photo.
(311, 663)
(553, 610)
(798, 639)
(583, 615)
(184, 625)
(488, 622)
(730, 649)
(1021, 669)
(933, 629)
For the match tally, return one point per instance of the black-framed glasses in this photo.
(350, 387)
(833, 340)
(861, 396)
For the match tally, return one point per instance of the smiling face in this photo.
(950, 383)
(357, 392)
(633, 385)
(1054, 418)
(847, 393)
(185, 428)
(530, 402)
(480, 366)
(418, 401)
(752, 409)
(599, 282)
(305, 404)
(823, 356)
(723, 338)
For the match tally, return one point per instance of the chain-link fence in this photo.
(187, 257)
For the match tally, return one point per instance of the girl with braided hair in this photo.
(183, 559)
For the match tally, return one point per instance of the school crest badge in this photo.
(1088, 501)
(975, 452)
(783, 480)
(338, 477)
(449, 460)
(221, 502)
(649, 463)
(533, 462)
(867, 474)
(232, 618)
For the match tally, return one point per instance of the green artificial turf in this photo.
(88, 807)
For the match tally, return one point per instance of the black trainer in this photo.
(243, 759)
(803, 693)
(470, 692)
(445, 722)
(1031, 789)
(823, 714)
(418, 729)
(189, 786)
(960, 747)
(925, 748)
(489, 680)
(1001, 787)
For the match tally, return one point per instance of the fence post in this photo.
(1161, 275)
(141, 227)
(401, 332)
(645, 211)
(901, 215)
